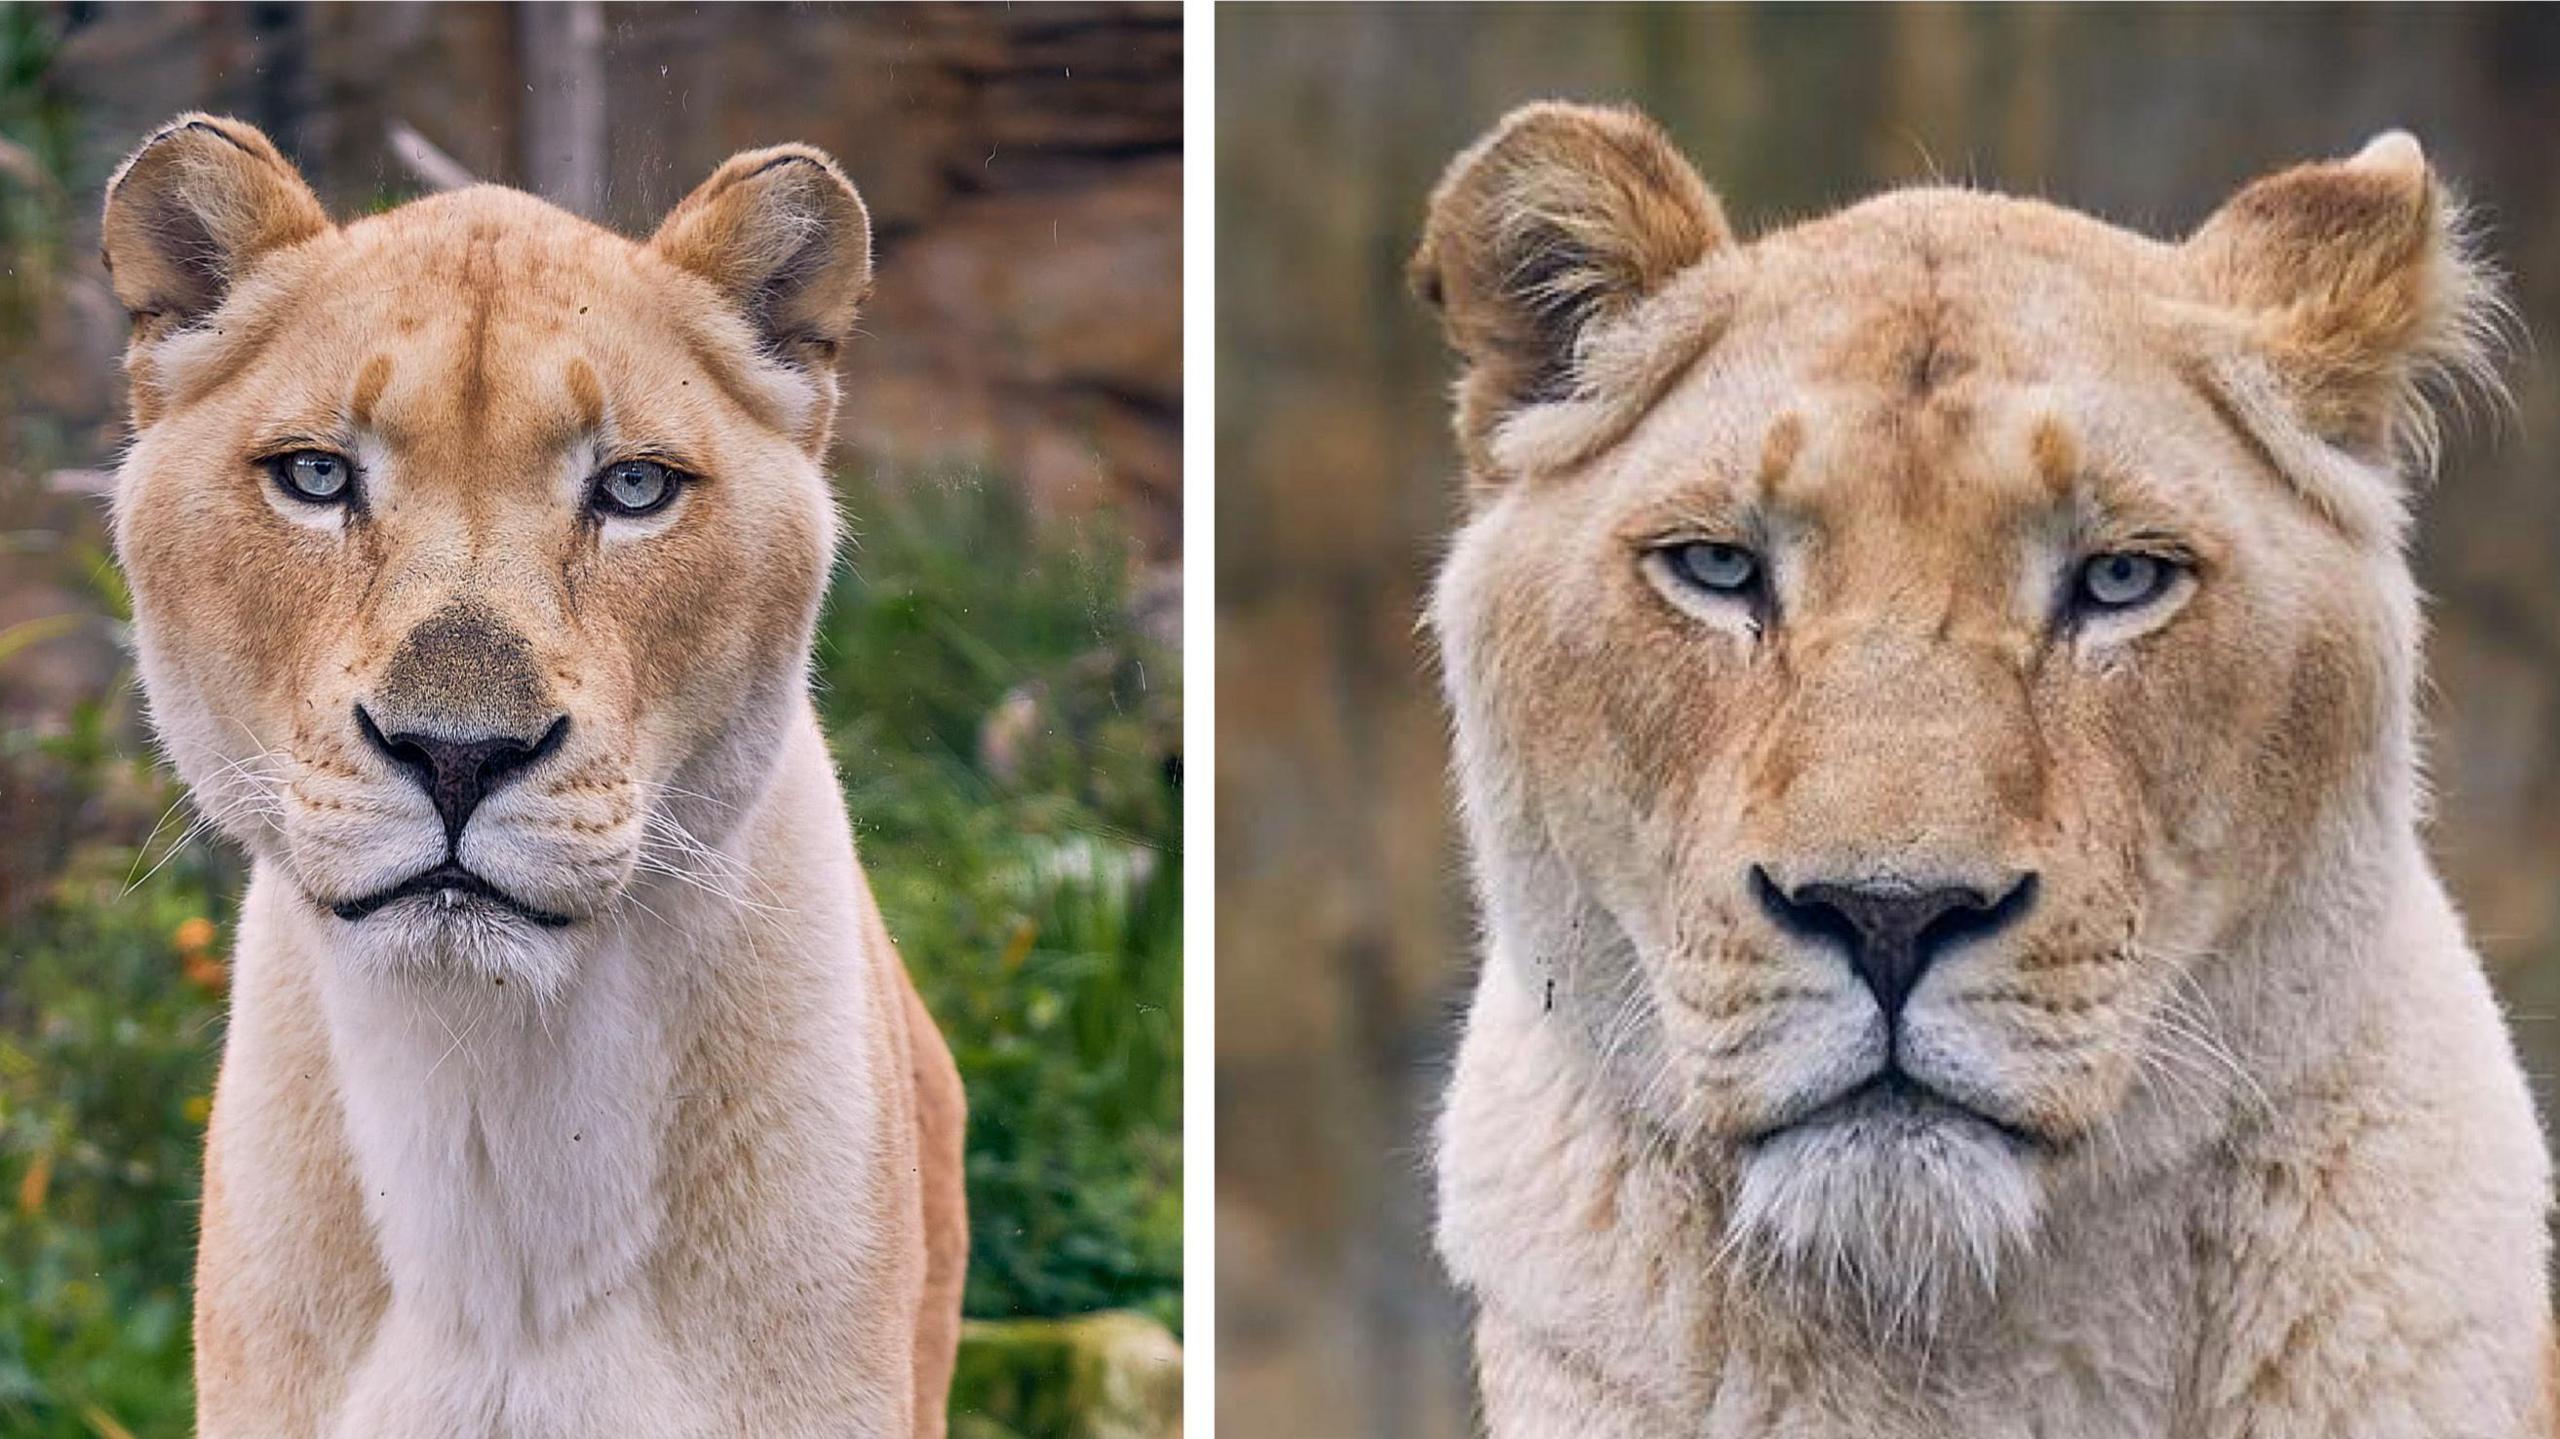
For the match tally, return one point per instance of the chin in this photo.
(462, 938)
(1889, 1209)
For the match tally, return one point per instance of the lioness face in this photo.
(1889, 658)
(475, 550)
(1907, 609)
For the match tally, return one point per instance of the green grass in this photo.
(1037, 899)
(1042, 913)
(106, 1055)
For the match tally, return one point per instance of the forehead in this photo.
(488, 318)
(1933, 349)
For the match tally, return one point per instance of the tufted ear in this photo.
(1560, 216)
(192, 211)
(2356, 279)
(782, 234)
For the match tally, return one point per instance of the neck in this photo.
(511, 1140)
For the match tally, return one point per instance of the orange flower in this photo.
(32, 1184)
(204, 971)
(195, 936)
(1018, 948)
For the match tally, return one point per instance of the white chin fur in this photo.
(1884, 1217)
(474, 940)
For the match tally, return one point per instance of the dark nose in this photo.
(1892, 932)
(459, 773)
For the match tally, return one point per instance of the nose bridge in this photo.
(465, 531)
(463, 673)
(1904, 754)
(463, 583)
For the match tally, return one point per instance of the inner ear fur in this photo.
(1560, 216)
(2358, 281)
(192, 211)
(782, 234)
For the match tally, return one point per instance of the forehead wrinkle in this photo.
(1778, 452)
(2239, 420)
(371, 380)
(1898, 466)
(479, 280)
(544, 392)
(1884, 468)
(585, 393)
(2112, 492)
(2053, 456)
(751, 385)
(199, 364)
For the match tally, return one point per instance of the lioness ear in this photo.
(192, 211)
(2356, 278)
(783, 236)
(1561, 215)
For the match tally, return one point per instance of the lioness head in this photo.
(475, 550)
(1893, 655)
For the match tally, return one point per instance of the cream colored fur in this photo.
(2228, 1138)
(685, 1163)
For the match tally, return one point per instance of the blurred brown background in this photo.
(1343, 923)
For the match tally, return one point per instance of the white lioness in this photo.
(1933, 700)
(572, 1086)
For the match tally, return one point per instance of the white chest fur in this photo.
(509, 1154)
(675, 1197)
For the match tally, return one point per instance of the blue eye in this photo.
(2122, 580)
(315, 477)
(635, 487)
(1714, 567)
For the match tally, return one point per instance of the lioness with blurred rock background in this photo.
(1935, 726)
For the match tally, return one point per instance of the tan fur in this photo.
(1559, 216)
(2230, 1140)
(689, 1162)
(941, 1131)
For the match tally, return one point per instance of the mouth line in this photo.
(1894, 1085)
(450, 875)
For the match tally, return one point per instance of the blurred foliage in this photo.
(1041, 912)
(1037, 901)
(35, 155)
(109, 1003)
(1101, 1376)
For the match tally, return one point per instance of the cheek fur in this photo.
(716, 606)
(2327, 724)
(1596, 683)
(2139, 711)
(222, 581)
(2288, 749)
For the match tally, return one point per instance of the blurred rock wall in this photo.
(1022, 165)
(1343, 926)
